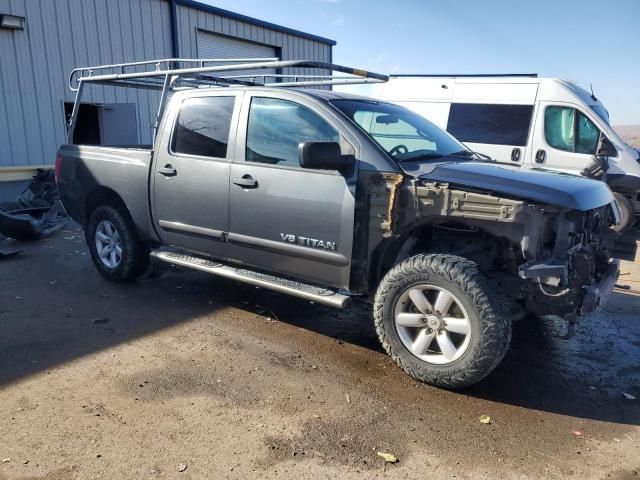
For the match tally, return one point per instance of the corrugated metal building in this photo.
(60, 35)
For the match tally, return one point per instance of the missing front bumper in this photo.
(597, 294)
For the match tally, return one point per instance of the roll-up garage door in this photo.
(217, 46)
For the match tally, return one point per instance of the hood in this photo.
(552, 188)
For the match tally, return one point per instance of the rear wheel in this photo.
(627, 213)
(441, 321)
(113, 242)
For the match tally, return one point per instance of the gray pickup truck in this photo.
(328, 196)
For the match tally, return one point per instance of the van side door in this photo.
(190, 176)
(500, 131)
(565, 138)
(284, 218)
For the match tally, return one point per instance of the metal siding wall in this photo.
(59, 36)
(292, 47)
(63, 34)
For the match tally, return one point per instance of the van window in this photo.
(203, 127)
(559, 128)
(588, 135)
(277, 127)
(567, 129)
(491, 124)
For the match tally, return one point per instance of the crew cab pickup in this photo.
(331, 197)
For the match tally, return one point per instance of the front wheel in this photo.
(113, 242)
(627, 213)
(441, 320)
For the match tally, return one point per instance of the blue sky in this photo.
(587, 41)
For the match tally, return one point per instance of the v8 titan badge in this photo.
(307, 242)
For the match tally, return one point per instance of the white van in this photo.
(523, 119)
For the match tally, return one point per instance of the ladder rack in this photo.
(171, 74)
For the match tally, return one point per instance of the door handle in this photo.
(515, 155)
(168, 171)
(541, 156)
(246, 181)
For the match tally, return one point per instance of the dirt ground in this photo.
(99, 380)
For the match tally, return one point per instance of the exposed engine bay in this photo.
(551, 261)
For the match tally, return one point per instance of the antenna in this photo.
(592, 94)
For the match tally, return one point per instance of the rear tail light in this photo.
(58, 167)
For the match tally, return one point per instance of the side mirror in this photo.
(600, 165)
(605, 148)
(321, 155)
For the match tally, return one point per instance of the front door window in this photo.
(567, 129)
(277, 127)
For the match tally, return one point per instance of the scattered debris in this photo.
(348, 398)
(616, 440)
(577, 433)
(628, 396)
(36, 213)
(9, 252)
(266, 312)
(388, 457)
(591, 387)
(6, 460)
(100, 320)
(486, 419)
(182, 467)
(25, 462)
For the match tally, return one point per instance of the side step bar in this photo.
(290, 287)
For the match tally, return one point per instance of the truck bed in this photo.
(85, 172)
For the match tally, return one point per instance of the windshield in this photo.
(601, 112)
(402, 134)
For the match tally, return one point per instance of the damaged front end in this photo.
(572, 274)
(556, 262)
(552, 261)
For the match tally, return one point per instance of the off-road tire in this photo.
(487, 309)
(627, 213)
(135, 254)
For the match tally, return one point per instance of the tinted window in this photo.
(569, 130)
(203, 126)
(277, 127)
(493, 124)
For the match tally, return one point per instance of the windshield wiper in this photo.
(466, 154)
(422, 156)
(470, 153)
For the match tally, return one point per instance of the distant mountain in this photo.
(630, 134)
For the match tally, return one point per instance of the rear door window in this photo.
(203, 126)
(490, 124)
(276, 128)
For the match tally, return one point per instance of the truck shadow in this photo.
(584, 376)
(54, 308)
(581, 377)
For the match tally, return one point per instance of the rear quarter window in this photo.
(491, 124)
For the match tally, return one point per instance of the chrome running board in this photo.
(312, 293)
